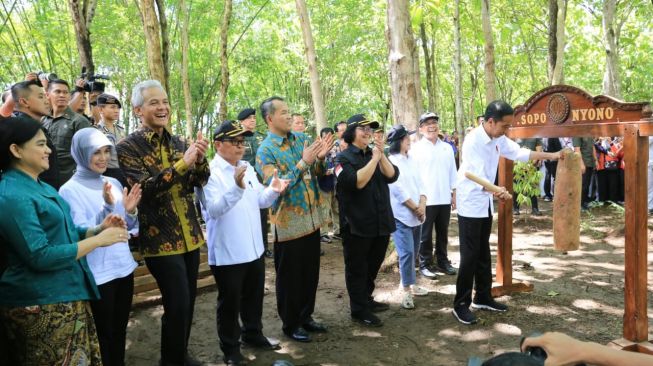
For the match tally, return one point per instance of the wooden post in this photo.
(636, 246)
(504, 243)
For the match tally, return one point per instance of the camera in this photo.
(42, 75)
(91, 84)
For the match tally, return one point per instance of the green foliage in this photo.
(351, 49)
(526, 182)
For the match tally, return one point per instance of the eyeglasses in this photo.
(365, 129)
(235, 142)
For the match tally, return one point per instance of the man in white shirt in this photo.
(234, 197)
(438, 170)
(481, 151)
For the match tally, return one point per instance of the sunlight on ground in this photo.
(588, 304)
(507, 329)
(366, 333)
(548, 310)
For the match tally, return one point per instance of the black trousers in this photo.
(534, 203)
(265, 227)
(475, 260)
(111, 314)
(587, 178)
(550, 175)
(176, 276)
(297, 265)
(436, 216)
(363, 258)
(240, 292)
(609, 183)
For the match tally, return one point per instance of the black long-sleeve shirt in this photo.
(366, 211)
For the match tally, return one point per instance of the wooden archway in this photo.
(566, 111)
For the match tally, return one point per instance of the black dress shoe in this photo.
(315, 327)
(189, 361)
(446, 268)
(235, 359)
(377, 307)
(299, 335)
(268, 253)
(367, 319)
(261, 342)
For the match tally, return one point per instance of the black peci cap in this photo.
(229, 129)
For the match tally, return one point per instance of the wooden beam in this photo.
(635, 327)
(504, 244)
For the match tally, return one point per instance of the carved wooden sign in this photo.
(565, 106)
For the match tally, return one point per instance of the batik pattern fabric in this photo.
(61, 334)
(297, 211)
(167, 213)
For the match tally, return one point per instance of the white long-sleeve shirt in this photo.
(87, 208)
(481, 158)
(437, 166)
(408, 186)
(234, 221)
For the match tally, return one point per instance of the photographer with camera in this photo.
(87, 90)
(62, 125)
(562, 349)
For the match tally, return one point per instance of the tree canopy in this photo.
(266, 52)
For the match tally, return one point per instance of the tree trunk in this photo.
(611, 77)
(553, 38)
(188, 103)
(404, 86)
(224, 61)
(557, 20)
(457, 67)
(165, 43)
(490, 76)
(152, 32)
(82, 12)
(428, 67)
(311, 59)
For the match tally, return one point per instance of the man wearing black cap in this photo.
(247, 118)
(438, 169)
(363, 177)
(234, 197)
(109, 108)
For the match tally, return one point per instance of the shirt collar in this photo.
(278, 140)
(356, 150)
(220, 163)
(485, 138)
(150, 135)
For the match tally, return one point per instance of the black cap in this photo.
(104, 99)
(229, 129)
(361, 120)
(397, 133)
(427, 116)
(246, 113)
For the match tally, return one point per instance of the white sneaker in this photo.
(419, 291)
(407, 302)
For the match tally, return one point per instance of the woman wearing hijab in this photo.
(92, 197)
(46, 283)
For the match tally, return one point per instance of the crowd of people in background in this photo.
(83, 189)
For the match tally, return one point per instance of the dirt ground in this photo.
(580, 293)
